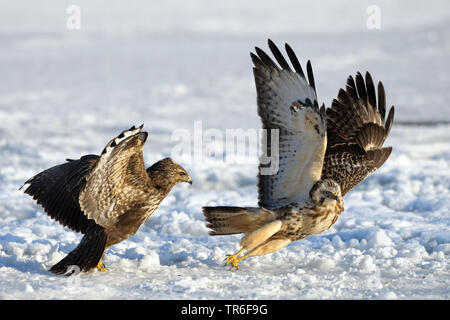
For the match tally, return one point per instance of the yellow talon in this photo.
(233, 259)
(101, 267)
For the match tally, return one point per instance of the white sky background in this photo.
(233, 17)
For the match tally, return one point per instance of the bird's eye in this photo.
(182, 173)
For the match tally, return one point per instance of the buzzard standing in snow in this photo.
(106, 197)
(323, 154)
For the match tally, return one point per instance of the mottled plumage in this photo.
(356, 129)
(106, 197)
(322, 154)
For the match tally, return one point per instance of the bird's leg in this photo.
(264, 248)
(101, 267)
(253, 240)
(268, 247)
(233, 259)
(259, 236)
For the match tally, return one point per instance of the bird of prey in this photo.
(106, 197)
(323, 153)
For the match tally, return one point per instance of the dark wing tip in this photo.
(265, 58)
(351, 82)
(294, 60)
(309, 70)
(389, 120)
(370, 88)
(360, 86)
(278, 55)
(381, 100)
(255, 59)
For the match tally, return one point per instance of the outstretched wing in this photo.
(118, 181)
(57, 190)
(287, 102)
(356, 130)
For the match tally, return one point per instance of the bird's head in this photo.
(326, 192)
(178, 173)
(166, 173)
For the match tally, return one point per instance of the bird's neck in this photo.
(337, 206)
(160, 181)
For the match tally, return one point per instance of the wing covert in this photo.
(117, 180)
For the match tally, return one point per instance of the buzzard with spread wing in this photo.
(323, 153)
(106, 197)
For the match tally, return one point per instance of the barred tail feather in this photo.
(87, 254)
(232, 220)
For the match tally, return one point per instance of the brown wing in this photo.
(57, 190)
(288, 103)
(356, 130)
(119, 181)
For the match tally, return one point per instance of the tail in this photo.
(232, 220)
(87, 254)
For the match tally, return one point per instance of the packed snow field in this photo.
(65, 93)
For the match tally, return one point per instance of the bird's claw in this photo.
(101, 267)
(233, 261)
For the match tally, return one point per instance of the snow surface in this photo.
(65, 93)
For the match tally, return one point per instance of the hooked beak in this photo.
(189, 180)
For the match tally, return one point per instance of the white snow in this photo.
(65, 93)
